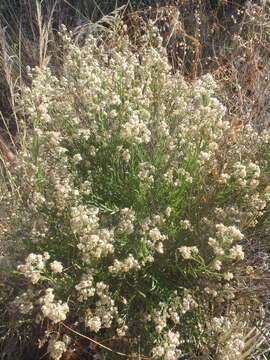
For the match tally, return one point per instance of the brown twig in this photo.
(133, 356)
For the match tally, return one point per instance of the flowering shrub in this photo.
(132, 197)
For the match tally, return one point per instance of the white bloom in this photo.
(33, 267)
(56, 266)
(186, 225)
(210, 291)
(216, 265)
(223, 178)
(159, 248)
(84, 133)
(240, 170)
(158, 351)
(55, 311)
(56, 349)
(228, 276)
(170, 355)
(173, 338)
(235, 233)
(60, 150)
(204, 156)
(155, 234)
(93, 322)
(77, 158)
(46, 255)
(126, 156)
(124, 266)
(188, 251)
(122, 331)
(213, 146)
(212, 242)
(237, 252)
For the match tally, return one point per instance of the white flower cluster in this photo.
(122, 331)
(228, 234)
(84, 219)
(126, 156)
(56, 266)
(145, 174)
(86, 187)
(93, 322)
(236, 252)
(188, 252)
(105, 310)
(225, 236)
(188, 302)
(34, 265)
(136, 130)
(156, 240)
(24, 302)
(62, 192)
(130, 263)
(97, 244)
(230, 336)
(222, 292)
(173, 311)
(216, 265)
(159, 318)
(168, 350)
(77, 158)
(231, 214)
(176, 175)
(56, 348)
(247, 175)
(55, 311)
(228, 276)
(257, 202)
(126, 224)
(155, 235)
(185, 224)
(93, 242)
(85, 287)
(38, 198)
(54, 137)
(153, 221)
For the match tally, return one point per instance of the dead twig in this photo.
(130, 356)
